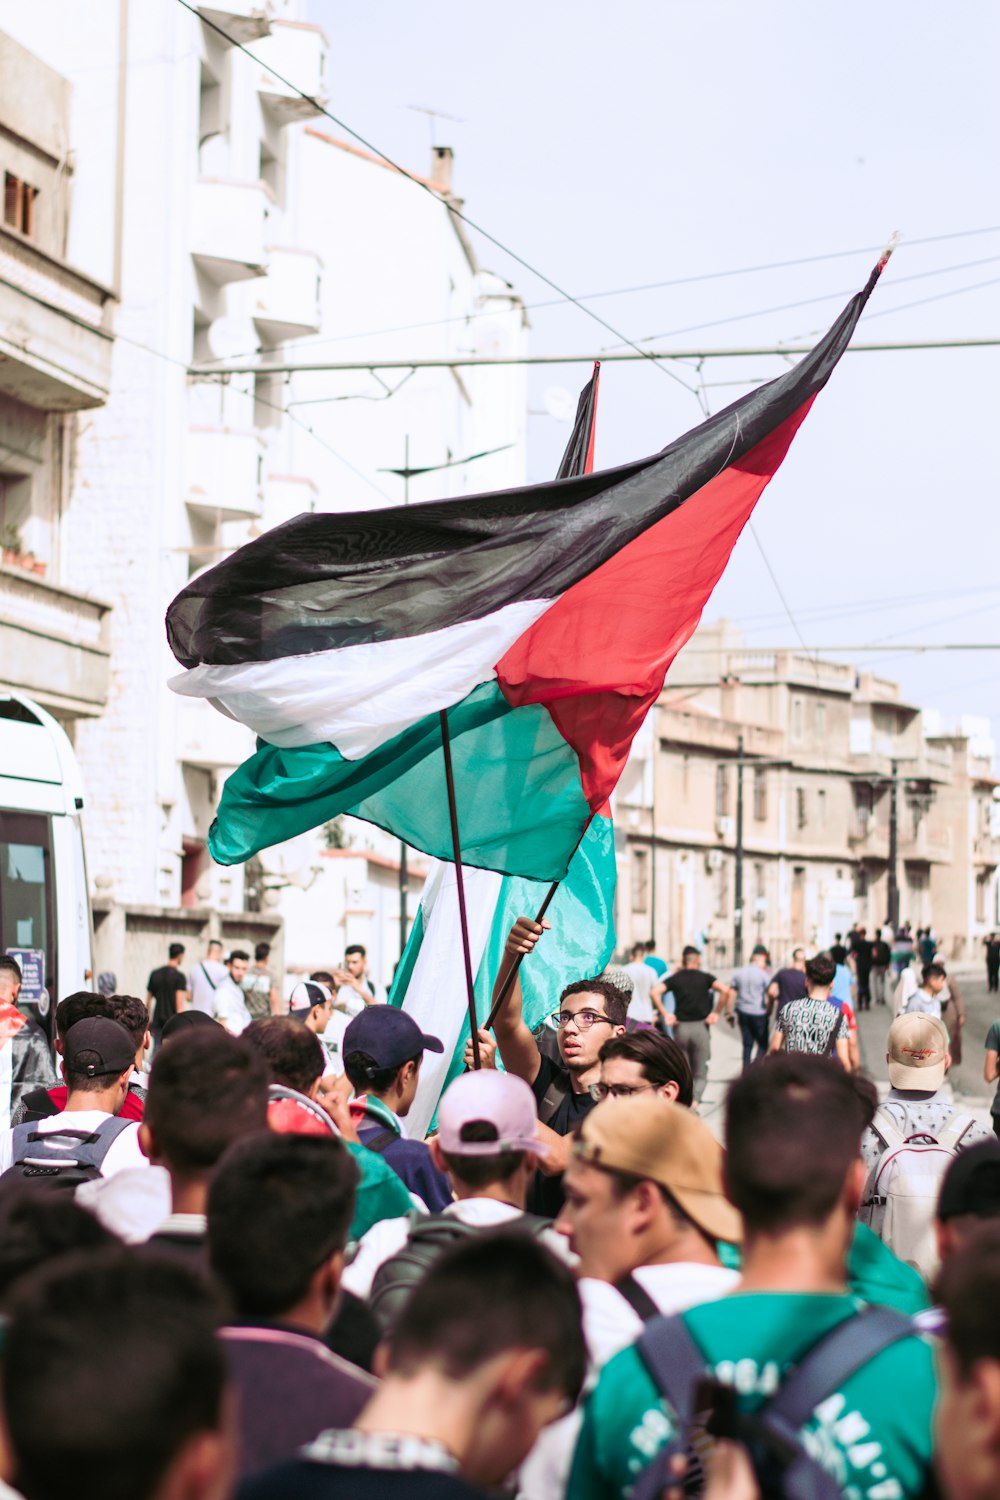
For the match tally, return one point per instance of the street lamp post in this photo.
(738, 903)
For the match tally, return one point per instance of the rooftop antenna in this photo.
(432, 116)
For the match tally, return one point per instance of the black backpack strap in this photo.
(831, 1362)
(637, 1297)
(379, 1142)
(674, 1361)
(551, 1100)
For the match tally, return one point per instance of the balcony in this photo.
(55, 345)
(228, 229)
(286, 301)
(224, 480)
(54, 643)
(241, 22)
(209, 740)
(296, 50)
(986, 850)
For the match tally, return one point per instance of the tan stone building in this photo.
(822, 747)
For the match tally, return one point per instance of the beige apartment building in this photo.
(822, 746)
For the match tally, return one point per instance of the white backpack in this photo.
(903, 1187)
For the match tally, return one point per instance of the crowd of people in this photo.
(228, 1271)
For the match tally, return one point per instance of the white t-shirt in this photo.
(203, 976)
(333, 1040)
(610, 1324)
(640, 1007)
(229, 1006)
(390, 1235)
(123, 1152)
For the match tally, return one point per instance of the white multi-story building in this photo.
(238, 238)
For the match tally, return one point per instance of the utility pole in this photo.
(893, 885)
(652, 837)
(738, 905)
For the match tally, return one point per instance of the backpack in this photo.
(62, 1158)
(430, 1235)
(903, 1187)
(771, 1435)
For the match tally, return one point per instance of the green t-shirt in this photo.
(874, 1273)
(381, 1194)
(874, 1434)
(993, 1045)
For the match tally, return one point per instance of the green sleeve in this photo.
(625, 1424)
(993, 1038)
(381, 1194)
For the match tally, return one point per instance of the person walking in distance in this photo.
(699, 998)
(789, 983)
(206, 976)
(992, 946)
(751, 984)
(646, 989)
(878, 973)
(166, 992)
(262, 995)
(814, 1024)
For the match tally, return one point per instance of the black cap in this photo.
(184, 1020)
(388, 1035)
(972, 1183)
(98, 1047)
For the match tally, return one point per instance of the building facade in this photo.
(229, 236)
(823, 752)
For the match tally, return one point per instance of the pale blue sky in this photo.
(618, 145)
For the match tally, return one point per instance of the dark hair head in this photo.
(365, 1075)
(129, 1011)
(262, 952)
(238, 954)
(659, 1057)
(206, 1090)
(482, 1171)
(10, 965)
(150, 1321)
(690, 952)
(214, 943)
(176, 950)
(36, 1226)
(933, 971)
(323, 976)
(488, 1295)
(821, 969)
(793, 1129)
(968, 1289)
(867, 1093)
(278, 1207)
(616, 1002)
(355, 948)
(293, 1053)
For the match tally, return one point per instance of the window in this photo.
(797, 718)
(19, 203)
(864, 802)
(640, 880)
(685, 776)
(721, 791)
(982, 895)
(820, 721)
(722, 891)
(759, 882)
(760, 795)
(801, 817)
(860, 882)
(821, 808)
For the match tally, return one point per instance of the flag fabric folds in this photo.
(541, 619)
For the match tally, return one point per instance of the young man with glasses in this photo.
(644, 1062)
(589, 1012)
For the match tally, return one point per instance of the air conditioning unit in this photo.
(725, 828)
(713, 859)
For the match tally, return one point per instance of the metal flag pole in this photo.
(456, 848)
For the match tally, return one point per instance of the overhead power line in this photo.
(448, 203)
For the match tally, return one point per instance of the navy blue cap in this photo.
(389, 1036)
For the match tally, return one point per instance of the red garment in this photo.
(130, 1110)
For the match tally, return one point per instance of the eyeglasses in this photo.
(584, 1018)
(601, 1091)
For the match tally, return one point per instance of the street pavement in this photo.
(965, 1079)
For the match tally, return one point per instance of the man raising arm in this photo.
(590, 1011)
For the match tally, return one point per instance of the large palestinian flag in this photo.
(541, 619)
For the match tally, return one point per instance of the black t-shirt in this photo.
(545, 1195)
(862, 951)
(302, 1480)
(692, 992)
(164, 985)
(791, 986)
(881, 955)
